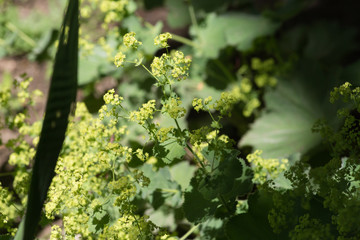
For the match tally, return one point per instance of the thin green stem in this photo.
(189, 147)
(183, 40)
(197, 158)
(192, 15)
(224, 203)
(151, 131)
(21, 34)
(189, 232)
(150, 72)
(212, 117)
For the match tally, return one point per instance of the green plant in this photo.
(152, 173)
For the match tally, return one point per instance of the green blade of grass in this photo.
(62, 95)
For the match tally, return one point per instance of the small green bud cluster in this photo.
(264, 69)
(253, 79)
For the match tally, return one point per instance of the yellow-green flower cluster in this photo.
(80, 185)
(129, 228)
(119, 59)
(129, 43)
(346, 92)
(200, 104)
(114, 11)
(111, 98)
(144, 113)
(110, 109)
(130, 40)
(21, 184)
(173, 67)
(161, 40)
(56, 232)
(23, 155)
(163, 133)
(181, 65)
(172, 107)
(227, 101)
(85, 44)
(198, 136)
(8, 209)
(141, 155)
(158, 65)
(265, 169)
(13, 94)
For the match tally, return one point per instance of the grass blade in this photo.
(62, 95)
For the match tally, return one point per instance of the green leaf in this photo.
(62, 95)
(342, 43)
(143, 34)
(212, 229)
(169, 151)
(252, 225)
(227, 180)
(211, 5)
(178, 14)
(352, 73)
(182, 173)
(162, 189)
(163, 217)
(92, 66)
(285, 128)
(98, 221)
(196, 208)
(236, 29)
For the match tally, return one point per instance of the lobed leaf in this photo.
(236, 29)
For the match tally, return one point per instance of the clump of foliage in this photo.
(142, 167)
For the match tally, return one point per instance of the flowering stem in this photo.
(190, 149)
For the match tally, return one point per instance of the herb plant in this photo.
(166, 161)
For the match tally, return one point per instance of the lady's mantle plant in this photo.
(106, 188)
